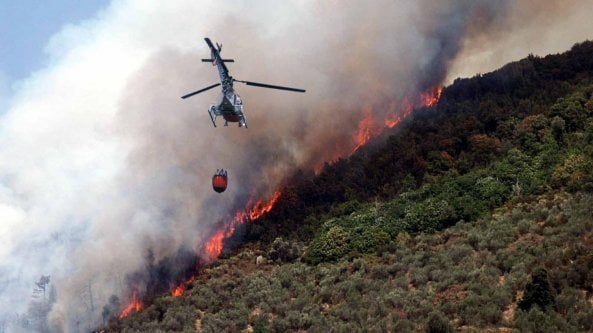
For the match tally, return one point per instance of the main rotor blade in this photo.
(199, 91)
(263, 85)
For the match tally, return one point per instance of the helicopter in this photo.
(230, 105)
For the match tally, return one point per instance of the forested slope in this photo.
(475, 213)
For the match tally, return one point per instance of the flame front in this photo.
(214, 246)
(262, 207)
(178, 291)
(134, 306)
(431, 96)
(368, 128)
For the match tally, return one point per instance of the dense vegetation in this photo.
(473, 214)
(470, 276)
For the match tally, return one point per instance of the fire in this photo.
(262, 207)
(431, 96)
(214, 246)
(393, 121)
(368, 128)
(178, 291)
(134, 306)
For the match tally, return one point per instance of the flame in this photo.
(262, 207)
(369, 128)
(393, 121)
(431, 96)
(214, 246)
(134, 306)
(178, 291)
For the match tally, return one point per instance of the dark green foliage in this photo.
(538, 292)
(332, 245)
(284, 251)
(260, 325)
(438, 323)
(537, 321)
(428, 215)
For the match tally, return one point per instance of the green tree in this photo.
(574, 172)
(429, 215)
(330, 245)
(537, 292)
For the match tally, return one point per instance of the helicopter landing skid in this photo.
(242, 122)
(212, 113)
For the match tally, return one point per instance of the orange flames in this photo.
(369, 128)
(366, 129)
(213, 248)
(431, 96)
(262, 207)
(178, 291)
(134, 306)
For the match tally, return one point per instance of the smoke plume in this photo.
(105, 172)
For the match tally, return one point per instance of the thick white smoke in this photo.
(102, 165)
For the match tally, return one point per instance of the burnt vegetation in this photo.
(473, 214)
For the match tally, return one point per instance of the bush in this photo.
(573, 172)
(537, 292)
(429, 215)
(260, 325)
(329, 246)
(438, 323)
(283, 251)
(536, 321)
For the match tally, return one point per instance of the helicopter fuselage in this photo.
(229, 106)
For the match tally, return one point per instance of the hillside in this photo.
(470, 276)
(474, 214)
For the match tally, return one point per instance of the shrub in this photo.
(283, 251)
(379, 272)
(573, 173)
(260, 325)
(438, 323)
(329, 246)
(537, 292)
(428, 215)
(535, 320)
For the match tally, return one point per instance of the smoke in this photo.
(532, 27)
(105, 171)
